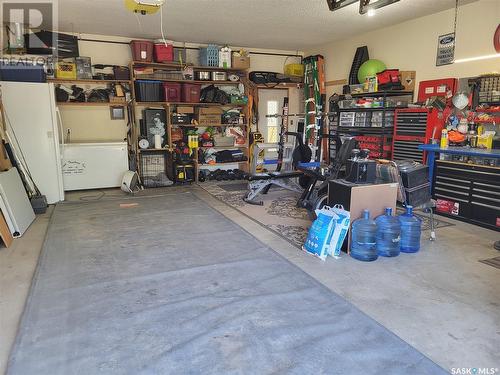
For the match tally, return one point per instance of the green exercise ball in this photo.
(370, 68)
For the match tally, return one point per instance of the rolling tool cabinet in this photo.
(413, 127)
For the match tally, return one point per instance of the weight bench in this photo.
(260, 183)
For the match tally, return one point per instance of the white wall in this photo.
(412, 45)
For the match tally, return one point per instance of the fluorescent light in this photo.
(476, 58)
(370, 13)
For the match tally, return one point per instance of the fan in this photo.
(130, 182)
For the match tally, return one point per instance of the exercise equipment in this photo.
(370, 68)
(260, 183)
(315, 195)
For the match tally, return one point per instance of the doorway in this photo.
(271, 103)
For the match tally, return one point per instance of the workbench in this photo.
(466, 189)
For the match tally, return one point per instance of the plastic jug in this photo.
(411, 228)
(388, 234)
(364, 232)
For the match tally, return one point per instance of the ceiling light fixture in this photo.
(365, 6)
(477, 58)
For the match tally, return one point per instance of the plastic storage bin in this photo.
(142, 50)
(191, 92)
(209, 56)
(22, 73)
(388, 234)
(172, 91)
(121, 73)
(411, 229)
(148, 91)
(418, 195)
(363, 240)
(295, 70)
(163, 53)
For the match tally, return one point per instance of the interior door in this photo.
(271, 103)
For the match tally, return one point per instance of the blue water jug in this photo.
(388, 234)
(364, 232)
(411, 228)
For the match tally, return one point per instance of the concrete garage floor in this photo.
(441, 300)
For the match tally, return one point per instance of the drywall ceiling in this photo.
(277, 24)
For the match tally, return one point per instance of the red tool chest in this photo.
(436, 87)
(412, 127)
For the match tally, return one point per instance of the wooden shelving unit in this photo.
(138, 106)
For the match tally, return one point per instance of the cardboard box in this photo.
(356, 198)
(185, 109)
(408, 79)
(208, 119)
(210, 110)
(241, 62)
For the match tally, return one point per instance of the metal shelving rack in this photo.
(384, 133)
(169, 106)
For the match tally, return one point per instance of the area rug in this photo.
(168, 285)
(279, 212)
(494, 262)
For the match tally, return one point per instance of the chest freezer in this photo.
(94, 165)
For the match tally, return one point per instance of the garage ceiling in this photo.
(277, 24)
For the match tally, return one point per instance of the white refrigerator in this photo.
(32, 125)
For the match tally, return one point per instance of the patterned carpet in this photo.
(279, 212)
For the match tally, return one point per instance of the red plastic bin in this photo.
(142, 50)
(172, 91)
(164, 53)
(191, 92)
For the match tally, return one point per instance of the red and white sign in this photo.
(447, 207)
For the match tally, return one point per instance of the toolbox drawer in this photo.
(472, 190)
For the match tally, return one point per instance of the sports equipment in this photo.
(370, 68)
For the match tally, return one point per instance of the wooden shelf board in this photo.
(153, 149)
(281, 85)
(181, 66)
(222, 147)
(199, 104)
(222, 83)
(229, 162)
(91, 104)
(90, 81)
